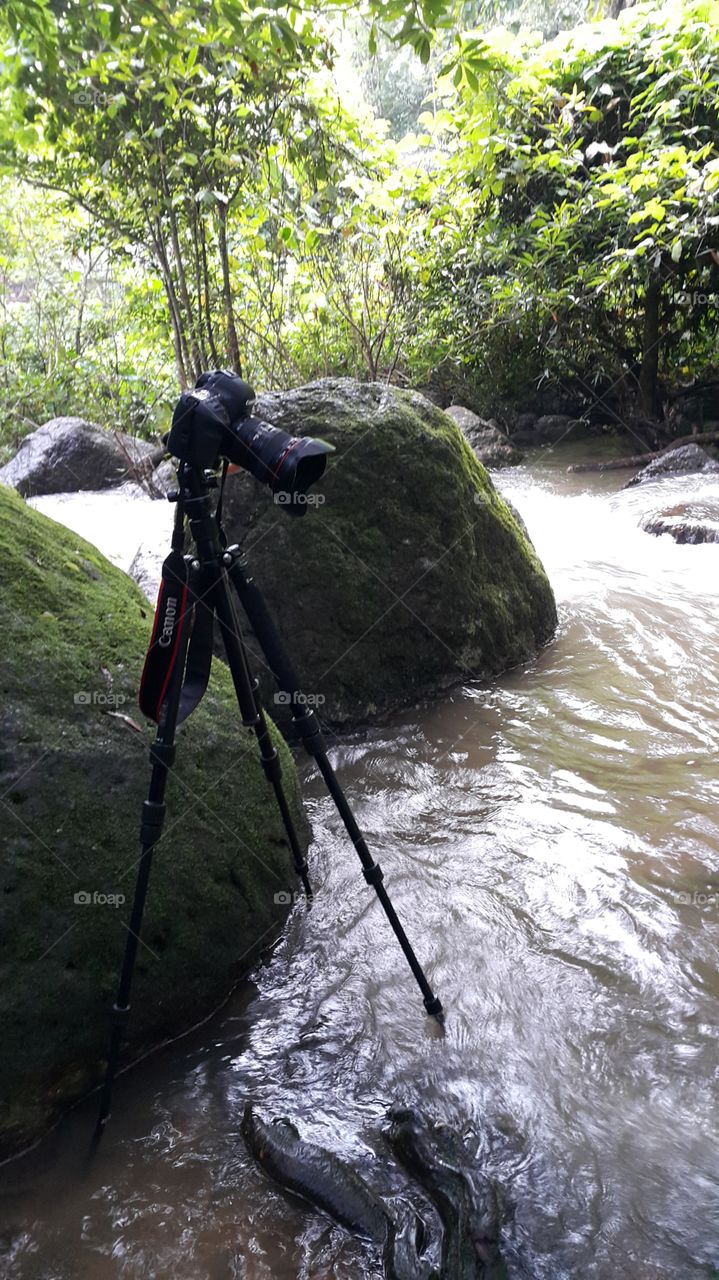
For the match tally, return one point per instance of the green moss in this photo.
(74, 775)
(412, 574)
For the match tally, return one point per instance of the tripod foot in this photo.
(434, 1008)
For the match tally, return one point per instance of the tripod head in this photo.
(213, 422)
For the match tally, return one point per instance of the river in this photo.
(552, 844)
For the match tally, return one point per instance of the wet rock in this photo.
(490, 444)
(436, 1159)
(555, 428)
(68, 454)
(525, 440)
(466, 1203)
(688, 522)
(685, 460)
(74, 770)
(146, 569)
(162, 480)
(523, 431)
(435, 395)
(524, 422)
(406, 574)
(316, 1174)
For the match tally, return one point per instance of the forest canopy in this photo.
(457, 195)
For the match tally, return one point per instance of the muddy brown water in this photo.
(552, 843)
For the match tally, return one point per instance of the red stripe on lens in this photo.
(289, 449)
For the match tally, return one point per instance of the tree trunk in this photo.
(181, 355)
(190, 336)
(650, 350)
(181, 352)
(233, 346)
(208, 301)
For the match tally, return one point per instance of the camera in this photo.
(214, 421)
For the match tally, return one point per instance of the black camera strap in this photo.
(178, 612)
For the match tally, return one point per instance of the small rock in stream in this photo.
(688, 522)
(685, 460)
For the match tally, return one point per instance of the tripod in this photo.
(193, 594)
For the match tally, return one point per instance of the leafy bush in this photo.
(79, 333)
(592, 166)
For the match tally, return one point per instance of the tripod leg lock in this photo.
(311, 734)
(272, 766)
(163, 753)
(153, 816)
(374, 875)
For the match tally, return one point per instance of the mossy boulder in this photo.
(408, 572)
(74, 772)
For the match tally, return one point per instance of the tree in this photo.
(167, 122)
(592, 166)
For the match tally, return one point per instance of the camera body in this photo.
(213, 422)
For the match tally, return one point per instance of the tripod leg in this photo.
(253, 715)
(162, 756)
(214, 588)
(306, 721)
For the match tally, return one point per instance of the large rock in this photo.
(409, 575)
(556, 428)
(523, 432)
(686, 459)
(68, 454)
(146, 568)
(73, 773)
(490, 444)
(687, 522)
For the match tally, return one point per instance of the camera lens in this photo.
(288, 464)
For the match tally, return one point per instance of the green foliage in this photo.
(551, 218)
(592, 164)
(79, 333)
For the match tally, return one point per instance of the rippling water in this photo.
(552, 844)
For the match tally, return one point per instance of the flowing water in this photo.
(552, 843)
